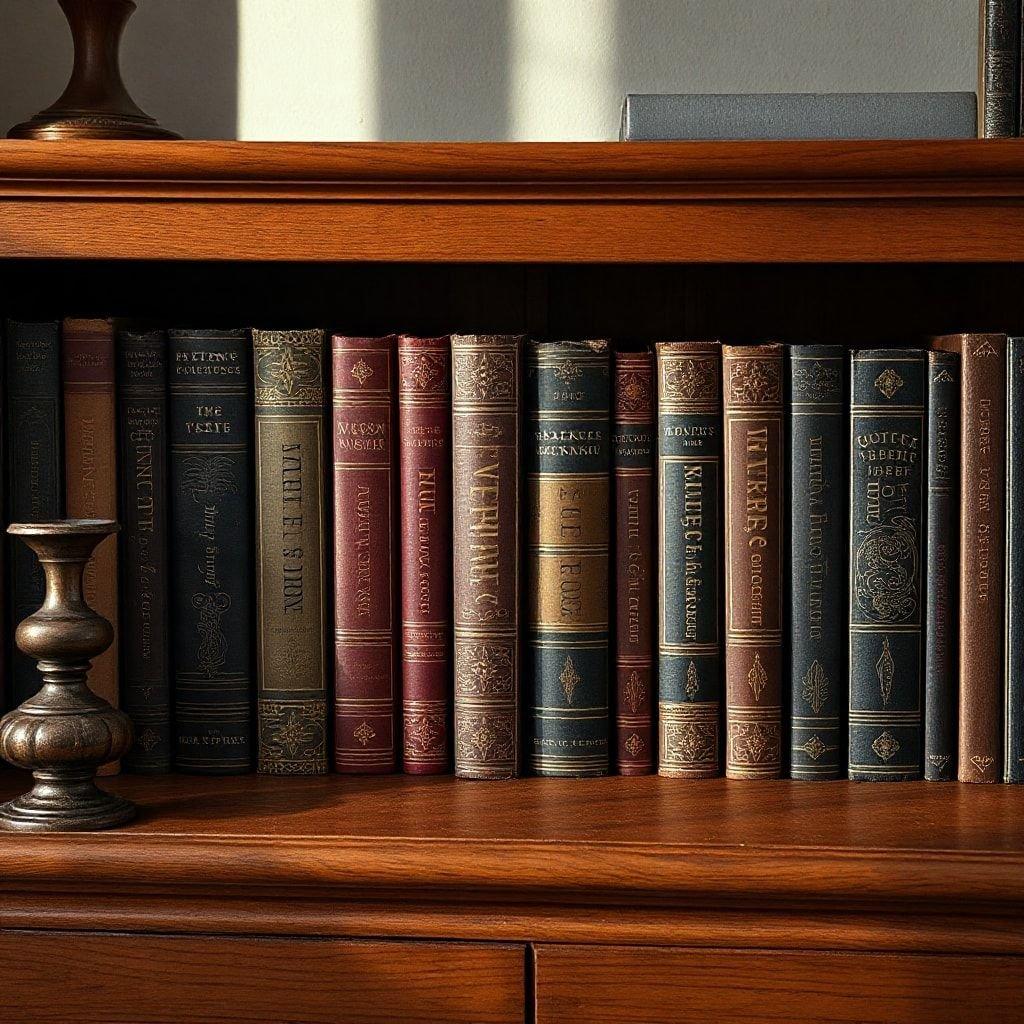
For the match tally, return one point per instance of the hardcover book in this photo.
(425, 469)
(888, 390)
(365, 562)
(982, 530)
(146, 670)
(818, 512)
(568, 481)
(689, 558)
(90, 473)
(35, 466)
(291, 633)
(752, 388)
(212, 544)
(485, 537)
(942, 575)
(1013, 673)
(999, 67)
(633, 457)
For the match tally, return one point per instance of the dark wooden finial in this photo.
(65, 732)
(95, 104)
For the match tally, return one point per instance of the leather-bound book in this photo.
(689, 558)
(211, 545)
(982, 545)
(818, 510)
(888, 390)
(35, 467)
(1013, 672)
(754, 510)
(999, 68)
(291, 571)
(942, 569)
(485, 540)
(425, 469)
(633, 456)
(145, 662)
(365, 555)
(90, 475)
(568, 455)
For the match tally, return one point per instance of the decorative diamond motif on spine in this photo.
(757, 678)
(692, 681)
(885, 669)
(362, 372)
(364, 733)
(569, 678)
(815, 687)
(886, 746)
(888, 382)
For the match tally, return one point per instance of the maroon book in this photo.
(425, 464)
(365, 669)
(633, 455)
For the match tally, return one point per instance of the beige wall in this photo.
(482, 69)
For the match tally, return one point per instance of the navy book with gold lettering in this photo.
(888, 392)
(212, 547)
(818, 511)
(568, 465)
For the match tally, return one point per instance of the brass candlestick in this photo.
(95, 104)
(65, 732)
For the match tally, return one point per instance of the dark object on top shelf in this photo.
(757, 116)
(999, 68)
(95, 104)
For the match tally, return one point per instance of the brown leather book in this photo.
(982, 545)
(633, 454)
(486, 395)
(365, 581)
(752, 402)
(425, 463)
(90, 461)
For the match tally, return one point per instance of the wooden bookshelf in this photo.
(383, 899)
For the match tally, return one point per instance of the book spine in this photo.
(999, 67)
(887, 451)
(942, 567)
(35, 465)
(365, 662)
(425, 471)
(146, 670)
(569, 387)
(635, 609)
(211, 540)
(485, 538)
(982, 565)
(817, 548)
(90, 473)
(753, 411)
(689, 558)
(1013, 675)
(291, 634)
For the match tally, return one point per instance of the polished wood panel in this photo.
(665, 986)
(109, 979)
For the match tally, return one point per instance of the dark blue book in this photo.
(942, 578)
(888, 392)
(1013, 768)
(818, 512)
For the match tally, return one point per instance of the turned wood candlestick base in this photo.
(95, 104)
(65, 732)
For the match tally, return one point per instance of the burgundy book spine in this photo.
(364, 521)
(425, 470)
(633, 454)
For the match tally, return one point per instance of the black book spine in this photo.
(941, 573)
(146, 671)
(999, 67)
(887, 454)
(817, 543)
(211, 537)
(35, 465)
(1014, 671)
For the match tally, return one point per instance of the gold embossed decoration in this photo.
(754, 743)
(757, 678)
(888, 382)
(293, 739)
(985, 348)
(569, 678)
(691, 380)
(484, 668)
(424, 733)
(364, 732)
(634, 691)
(484, 376)
(939, 761)
(691, 744)
(421, 371)
(635, 745)
(815, 747)
(943, 377)
(885, 571)
(815, 687)
(982, 763)
(362, 372)
(568, 371)
(484, 737)
(817, 383)
(755, 381)
(885, 669)
(634, 394)
(289, 369)
(692, 686)
(886, 746)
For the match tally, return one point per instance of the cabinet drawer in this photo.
(601, 985)
(117, 979)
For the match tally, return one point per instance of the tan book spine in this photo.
(752, 402)
(90, 462)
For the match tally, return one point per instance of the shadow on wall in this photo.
(179, 60)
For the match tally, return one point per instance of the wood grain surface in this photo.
(110, 979)
(666, 986)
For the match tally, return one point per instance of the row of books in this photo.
(792, 555)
